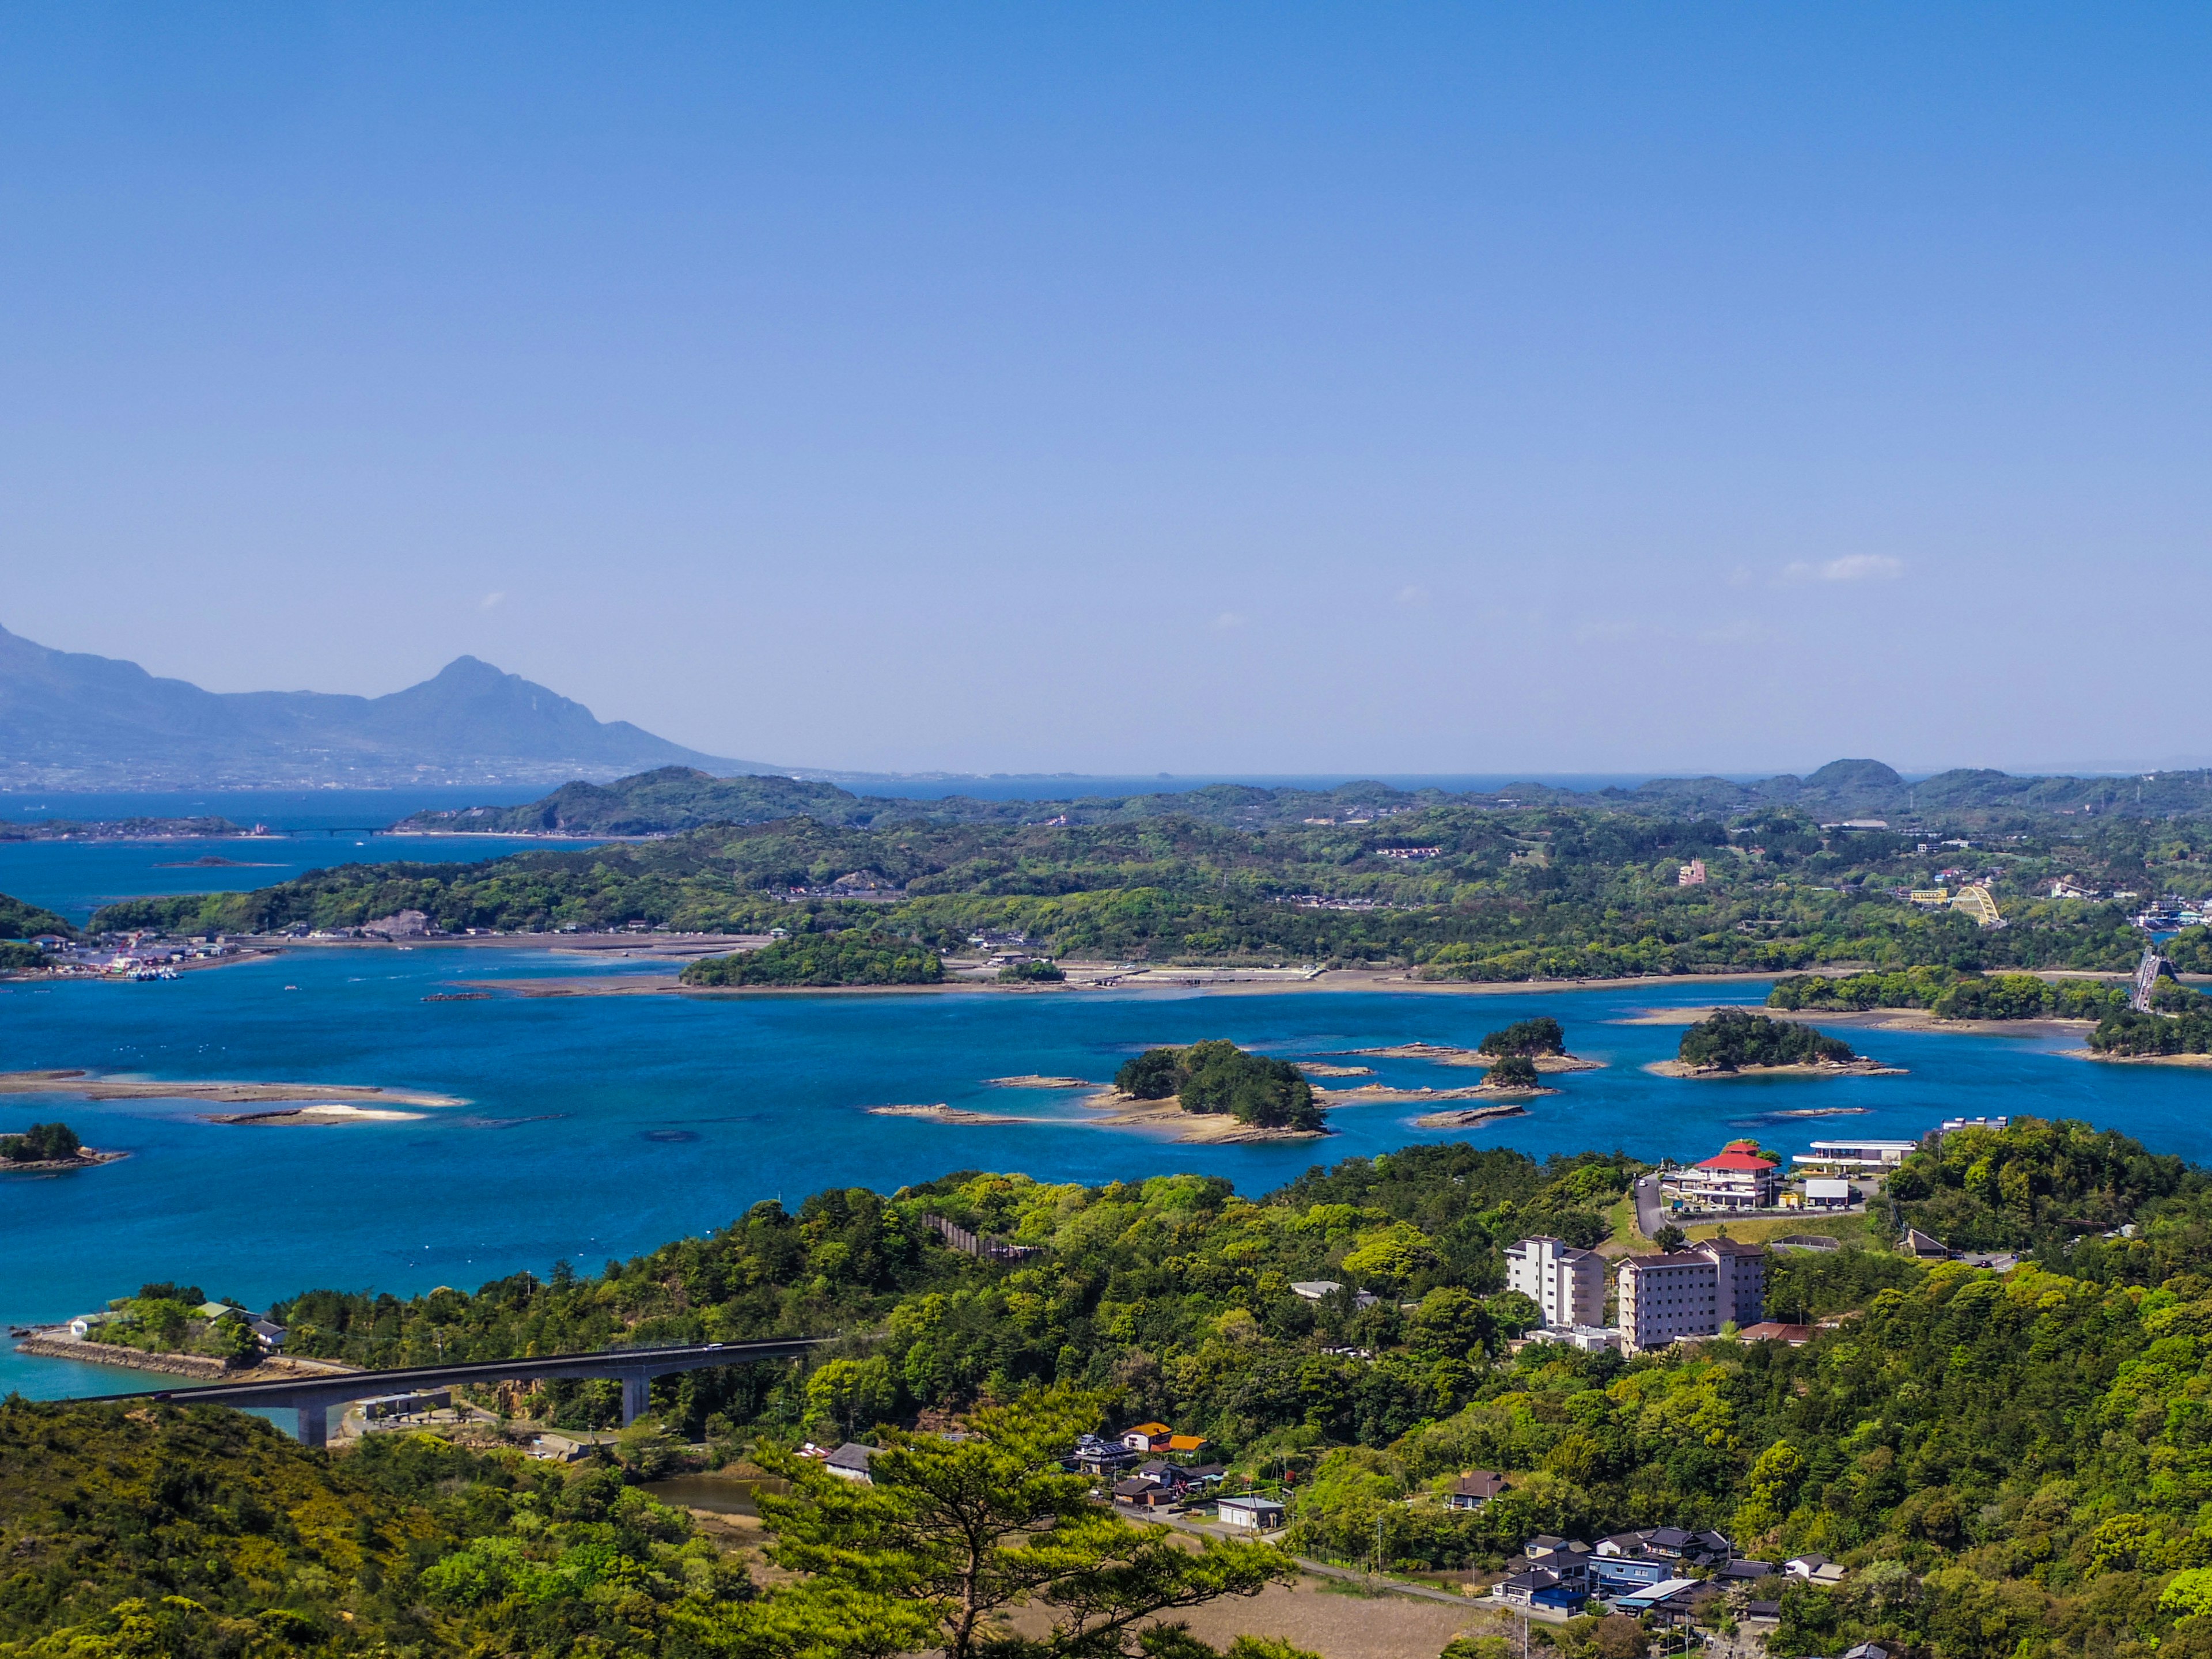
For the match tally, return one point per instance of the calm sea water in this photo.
(600, 1127)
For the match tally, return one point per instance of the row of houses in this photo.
(1667, 1572)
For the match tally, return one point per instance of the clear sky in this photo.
(1111, 388)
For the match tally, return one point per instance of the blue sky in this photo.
(1190, 388)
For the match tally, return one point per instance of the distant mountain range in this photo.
(70, 720)
(672, 799)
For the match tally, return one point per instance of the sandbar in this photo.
(1317, 1068)
(1472, 1115)
(1382, 1094)
(941, 1113)
(1034, 1080)
(311, 1117)
(1444, 1054)
(85, 1086)
(1860, 1068)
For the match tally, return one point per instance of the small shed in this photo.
(1258, 1514)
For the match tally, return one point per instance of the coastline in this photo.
(270, 1368)
(1860, 1067)
(2138, 1060)
(88, 1158)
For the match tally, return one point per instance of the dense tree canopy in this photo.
(1729, 1039)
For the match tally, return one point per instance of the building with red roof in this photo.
(1740, 1177)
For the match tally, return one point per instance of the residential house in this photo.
(1813, 1570)
(270, 1336)
(1147, 1437)
(1474, 1489)
(850, 1463)
(1539, 1588)
(1747, 1573)
(558, 1448)
(1566, 1284)
(1691, 874)
(1624, 1574)
(1141, 1493)
(1917, 1243)
(1259, 1514)
(1829, 1193)
(1670, 1601)
(1102, 1457)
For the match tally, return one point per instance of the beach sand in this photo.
(84, 1086)
(312, 1117)
(1854, 1069)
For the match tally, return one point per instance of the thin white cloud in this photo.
(1412, 594)
(1229, 619)
(1851, 568)
(490, 601)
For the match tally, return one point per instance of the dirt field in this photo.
(1337, 1625)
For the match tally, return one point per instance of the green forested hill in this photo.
(2007, 1465)
(1456, 891)
(162, 1533)
(19, 920)
(675, 799)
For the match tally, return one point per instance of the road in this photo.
(1648, 1220)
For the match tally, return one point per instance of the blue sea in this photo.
(598, 1127)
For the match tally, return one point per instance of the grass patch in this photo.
(1846, 1228)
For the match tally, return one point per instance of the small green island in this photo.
(1526, 1039)
(49, 1147)
(820, 961)
(1729, 1042)
(1218, 1078)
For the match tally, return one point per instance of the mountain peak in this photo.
(1855, 775)
(69, 720)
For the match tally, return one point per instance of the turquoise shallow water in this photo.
(600, 1127)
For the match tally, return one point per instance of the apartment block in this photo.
(1690, 1292)
(1567, 1284)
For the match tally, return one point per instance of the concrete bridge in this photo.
(313, 1396)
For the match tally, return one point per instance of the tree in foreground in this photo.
(953, 1534)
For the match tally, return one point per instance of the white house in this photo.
(850, 1463)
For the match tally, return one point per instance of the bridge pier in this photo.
(315, 1424)
(637, 1396)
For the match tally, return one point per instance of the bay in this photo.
(598, 1127)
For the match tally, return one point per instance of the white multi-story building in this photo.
(1690, 1292)
(1855, 1156)
(1740, 1177)
(1566, 1284)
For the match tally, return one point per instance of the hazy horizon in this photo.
(1442, 391)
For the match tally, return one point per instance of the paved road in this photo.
(1648, 1221)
